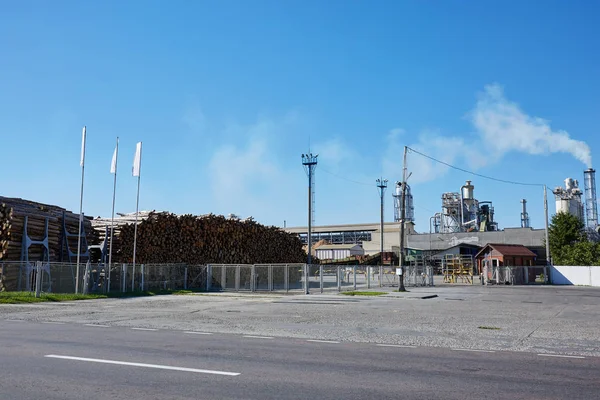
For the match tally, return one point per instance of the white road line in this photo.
(559, 355)
(397, 345)
(53, 322)
(144, 329)
(198, 333)
(322, 341)
(475, 350)
(258, 337)
(155, 366)
(98, 325)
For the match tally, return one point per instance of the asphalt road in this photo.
(112, 362)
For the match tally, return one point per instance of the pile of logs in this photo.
(169, 238)
(13, 212)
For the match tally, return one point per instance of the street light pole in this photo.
(310, 163)
(381, 184)
(402, 223)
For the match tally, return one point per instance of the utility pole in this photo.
(402, 223)
(547, 238)
(310, 163)
(382, 185)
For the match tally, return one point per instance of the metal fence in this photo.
(508, 275)
(101, 278)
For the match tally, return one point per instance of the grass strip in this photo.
(29, 297)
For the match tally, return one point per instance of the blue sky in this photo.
(226, 96)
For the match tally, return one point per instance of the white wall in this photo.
(575, 275)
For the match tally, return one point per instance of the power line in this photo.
(346, 179)
(474, 173)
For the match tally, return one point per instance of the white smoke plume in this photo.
(504, 126)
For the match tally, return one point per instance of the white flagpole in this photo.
(137, 166)
(113, 170)
(82, 163)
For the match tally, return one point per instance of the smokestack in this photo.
(524, 215)
(591, 204)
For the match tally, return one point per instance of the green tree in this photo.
(569, 243)
(565, 230)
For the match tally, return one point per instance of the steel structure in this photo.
(462, 212)
(591, 204)
(524, 215)
(568, 199)
(410, 208)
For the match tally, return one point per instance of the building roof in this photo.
(337, 247)
(508, 250)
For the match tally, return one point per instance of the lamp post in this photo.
(310, 163)
(381, 184)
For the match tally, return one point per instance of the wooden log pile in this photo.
(12, 221)
(168, 238)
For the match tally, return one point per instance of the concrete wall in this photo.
(575, 275)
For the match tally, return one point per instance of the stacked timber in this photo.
(102, 226)
(169, 238)
(14, 212)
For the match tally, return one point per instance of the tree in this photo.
(565, 230)
(569, 243)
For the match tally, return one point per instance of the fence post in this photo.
(306, 273)
(270, 273)
(123, 278)
(238, 277)
(223, 277)
(185, 272)
(286, 278)
(321, 277)
(38, 278)
(143, 280)
(368, 272)
(86, 279)
(208, 277)
(354, 273)
(338, 279)
(107, 276)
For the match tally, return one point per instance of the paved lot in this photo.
(562, 320)
(73, 361)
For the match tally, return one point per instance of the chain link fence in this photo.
(123, 278)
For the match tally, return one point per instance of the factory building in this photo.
(464, 226)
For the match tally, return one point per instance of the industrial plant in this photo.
(463, 227)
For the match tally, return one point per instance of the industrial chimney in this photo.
(524, 215)
(591, 204)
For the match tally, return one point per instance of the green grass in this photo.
(29, 297)
(492, 328)
(363, 293)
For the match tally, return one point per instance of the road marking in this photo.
(559, 355)
(397, 345)
(198, 333)
(475, 350)
(155, 366)
(144, 329)
(258, 337)
(98, 325)
(53, 322)
(322, 341)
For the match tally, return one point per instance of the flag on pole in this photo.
(82, 162)
(113, 165)
(137, 160)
